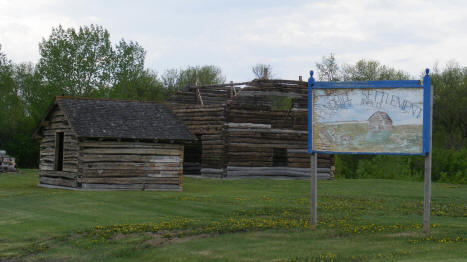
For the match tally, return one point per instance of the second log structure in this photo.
(248, 130)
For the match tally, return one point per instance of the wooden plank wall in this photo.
(57, 122)
(130, 165)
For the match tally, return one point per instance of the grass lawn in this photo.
(240, 220)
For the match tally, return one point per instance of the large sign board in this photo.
(369, 117)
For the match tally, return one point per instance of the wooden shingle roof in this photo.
(122, 119)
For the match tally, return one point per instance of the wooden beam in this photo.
(265, 74)
(427, 177)
(313, 191)
(198, 96)
(233, 91)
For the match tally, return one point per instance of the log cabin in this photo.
(98, 144)
(248, 130)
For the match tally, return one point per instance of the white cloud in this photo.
(291, 36)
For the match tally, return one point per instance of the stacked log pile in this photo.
(206, 94)
(7, 163)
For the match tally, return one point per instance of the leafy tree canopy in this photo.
(371, 70)
(174, 79)
(81, 62)
(450, 106)
(362, 70)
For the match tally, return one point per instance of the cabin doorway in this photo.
(279, 157)
(192, 157)
(59, 138)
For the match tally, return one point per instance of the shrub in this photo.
(387, 167)
(448, 166)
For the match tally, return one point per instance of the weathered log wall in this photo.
(202, 110)
(48, 175)
(130, 165)
(207, 123)
(266, 132)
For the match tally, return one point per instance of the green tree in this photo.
(365, 70)
(15, 121)
(128, 61)
(35, 96)
(328, 70)
(75, 62)
(8, 99)
(11, 106)
(169, 80)
(83, 62)
(450, 106)
(145, 87)
(174, 79)
(4, 62)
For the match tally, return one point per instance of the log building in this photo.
(248, 130)
(100, 144)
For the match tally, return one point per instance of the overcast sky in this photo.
(290, 35)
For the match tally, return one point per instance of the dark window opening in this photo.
(192, 157)
(279, 157)
(59, 137)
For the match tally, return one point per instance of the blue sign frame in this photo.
(312, 84)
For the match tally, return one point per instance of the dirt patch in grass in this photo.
(118, 237)
(406, 234)
(160, 239)
(204, 252)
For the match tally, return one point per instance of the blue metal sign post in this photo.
(313, 160)
(427, 148)
(370, 117)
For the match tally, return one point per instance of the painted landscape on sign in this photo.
(368, 120)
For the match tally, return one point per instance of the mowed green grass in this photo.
(232, 220)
